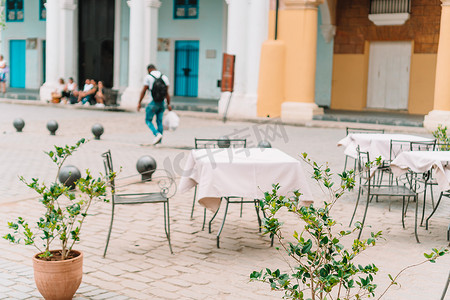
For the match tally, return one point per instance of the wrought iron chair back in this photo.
(374, 188)
(352, 130)
(423, 146)
(220, 143)
(442, 146)
(163, 187)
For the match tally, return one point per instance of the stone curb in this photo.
(257, 120)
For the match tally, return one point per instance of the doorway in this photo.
(388, 80)
(17, 67)
(96, 40)
(186, 68)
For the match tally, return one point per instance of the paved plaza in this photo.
(139, 264)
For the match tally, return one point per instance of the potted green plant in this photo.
(58, 271)
(321, 266)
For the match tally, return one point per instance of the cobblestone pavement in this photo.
(139, 264)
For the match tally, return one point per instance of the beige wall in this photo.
(349, 83)
(421, 85)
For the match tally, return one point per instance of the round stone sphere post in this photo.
(19, 124)
(69, 175)
(224, 142)
(52, 126)
(264, 144)
(97, 130)
(146, 166)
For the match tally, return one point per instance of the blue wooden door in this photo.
(17, 63)
(186, 68)
(44, 59)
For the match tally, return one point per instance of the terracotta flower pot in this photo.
(58, 280)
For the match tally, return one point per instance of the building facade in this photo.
(293, 57)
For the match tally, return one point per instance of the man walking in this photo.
(158, 85)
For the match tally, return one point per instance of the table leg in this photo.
(223, 223)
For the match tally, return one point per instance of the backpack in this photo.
(159, 89)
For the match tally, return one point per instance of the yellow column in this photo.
(288, 65)
(297, 27)
(441, 106)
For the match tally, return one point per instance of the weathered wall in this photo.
(351, 46)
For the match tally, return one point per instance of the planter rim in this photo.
(37, 260)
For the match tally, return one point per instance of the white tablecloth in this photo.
(376, 144)
(242, 172)
(423, 161)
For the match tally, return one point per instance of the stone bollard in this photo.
(69, 175)
(224, 142)
(52, 126)
(19, 124)
(97, 130)
(146, 166)
(264, 144)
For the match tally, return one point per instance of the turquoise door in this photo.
(186, 68)
(17, 63)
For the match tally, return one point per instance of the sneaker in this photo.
(100, 105)
(157, 139)
(86, 104)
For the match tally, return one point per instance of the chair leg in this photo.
(204, 219)
(403, 211)
(364, 217)
(223, 223)
(109, 232)
(445, 288)
(167, 224)
(434, 210)
(242, 204)
(257, 214)
(193, 202)
(424, 201)
(432, 197)
(356, 205)
(215, 214)
(345, 163)
(415, 218)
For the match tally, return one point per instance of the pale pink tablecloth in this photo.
(423, 161)
(376, 144)
(243, 172)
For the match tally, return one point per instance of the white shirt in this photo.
(149, 79)
(71, 86)
(88, 87)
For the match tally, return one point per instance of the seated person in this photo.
(87, 96)
(99, 96)
(70, 91)
(57, 93)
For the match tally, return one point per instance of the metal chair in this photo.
(395, 148)
(351, 130)
(162, 188)
(372, 188)
(427, 178)
(446, 287)
(216, 143)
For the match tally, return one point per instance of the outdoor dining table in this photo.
(422, 162)
(376, 144)
(241, 172)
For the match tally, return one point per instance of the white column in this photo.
(117, 35)
(151, 30)
(52, 50)
(68, 33)
(257, 34)
(244, 39)
(136, 65)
